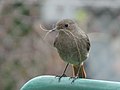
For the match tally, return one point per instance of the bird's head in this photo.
(66, 24)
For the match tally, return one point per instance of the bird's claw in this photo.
(63, 75)
(74, 78)
(71, 78)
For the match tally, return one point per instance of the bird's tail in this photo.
(82, 73)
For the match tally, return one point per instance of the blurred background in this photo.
(24, 54)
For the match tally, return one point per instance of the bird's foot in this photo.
(63, 75)
(71, 78)
(74, 78)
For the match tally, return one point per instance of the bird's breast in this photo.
(67, 48)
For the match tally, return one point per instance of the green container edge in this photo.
(47, 82)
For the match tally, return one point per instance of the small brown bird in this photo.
(73, 46)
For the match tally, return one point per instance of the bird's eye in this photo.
(66, 25)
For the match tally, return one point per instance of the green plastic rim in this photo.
(51, 83)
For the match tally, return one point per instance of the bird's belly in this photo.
(69, 52)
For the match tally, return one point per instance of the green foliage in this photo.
(17, 4)
(16, 22)
(25, 11)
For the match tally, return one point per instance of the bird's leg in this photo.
(77, 75)
(80, 73)
(63, 74)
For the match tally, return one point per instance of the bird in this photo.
(73, 46)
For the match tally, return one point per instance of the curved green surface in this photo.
(51, 83)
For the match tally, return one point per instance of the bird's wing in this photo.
(84, 39)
